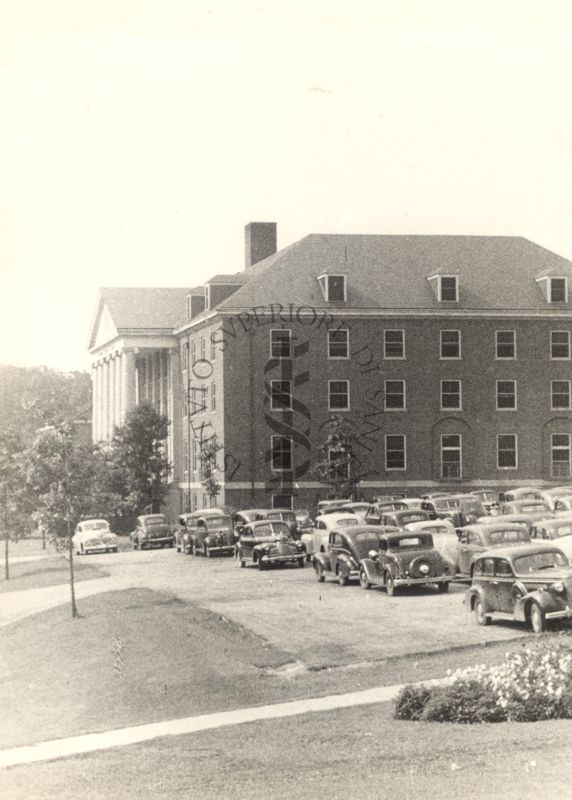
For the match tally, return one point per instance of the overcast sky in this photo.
(137, 138)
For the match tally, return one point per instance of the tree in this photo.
(340, 465)
(13, 519)
(209, 468)
(141, 467)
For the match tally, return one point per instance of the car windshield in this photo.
(508, 535)
(281, 527)
(547, 559)
(261, 530)
(156, 519)
(364, 542)
(97, 525)
(345, 521)
(302, 514)
(218, 522)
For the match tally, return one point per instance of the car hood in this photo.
(548, 576)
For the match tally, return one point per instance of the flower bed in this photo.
(530, 685)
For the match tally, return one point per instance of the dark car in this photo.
(375, 511)
(489, 498)
(286, 515)
(529, 583)
(399, 519)
(210, 535)
(184, 524)
(447, 507)
(344, 551)
(243, 518)
(475, 539)
(152, 530)
(405, 559)
(267, 542)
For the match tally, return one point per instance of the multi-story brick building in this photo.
(450, 355)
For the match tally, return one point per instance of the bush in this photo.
(531, 685)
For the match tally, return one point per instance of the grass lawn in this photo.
(49, 571)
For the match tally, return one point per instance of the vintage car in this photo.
(357, 508)
(340, 501)
(399, 519)
(267, 542)
(522, 493)
(94, 536)
(405, 558)
(445, 507)
(471, 506)
(413, 503)
(489, 498)
(152, 530)
(209, 535)
(475, 539)
(517, 519)
(554, 493)
(382, 499)
(529, 583)
(185, 522)
(557, 530)
(344, 551)
(316, 541)
(287, 516)
(243, 518)
(445, 539)
(303, 521)
(535, 509)
(375, 511)
(563, 505)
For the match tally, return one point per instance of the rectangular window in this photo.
(281, 344)
(560, 455)
(506, 344)
(506, 395)
(338, 395)
(340, 464)
(281, 453)
(213, 347)
(193, 352)
(558, 290)
(213, 396)
(559, 344)
(394, 395)
(336, 288)
(203, 350)
(506, 451)
(338, 344)
(450, 344)
(198, 400)
(280, 395)
(394, 344)
(450, 395)
(451, 455)
(560, 393)
(395, 451)
(282, 501)
(448, 289)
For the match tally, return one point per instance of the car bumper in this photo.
(421, 581)
(229, 549)
(565, 613)
(100, 548)
(281, 559)
(153, 542)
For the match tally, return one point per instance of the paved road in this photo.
(318, 624)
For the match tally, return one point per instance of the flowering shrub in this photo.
(531, 685)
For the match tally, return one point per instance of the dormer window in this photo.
(558, 290)
(448, 289)
(333, 288)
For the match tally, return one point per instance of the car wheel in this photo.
(207, 551)
(134, 544)
(342, 579)
(536, 618)
(261, 564)
(319, 570)
(480, 615)
(115, 550)
(241, 560)
(301, 562)
(390, 587)
(363, 581)
(443, 587)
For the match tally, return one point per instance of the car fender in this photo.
(371, 569)
(473, 594)
(323, 559)
(543, 598)
(346, 564)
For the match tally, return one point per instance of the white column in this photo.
(99, 401)
(117, 385)
(128, 381)
(105, 404)
(94, 403)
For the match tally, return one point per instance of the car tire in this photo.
(363, 581)
(115, 550)
(319, 570)
(536, 618)
(241, 560)
(301, 562)
(481, 617)
(443, 587)
(207, 551)
(261, 564)
(390, 586)
(342, 579)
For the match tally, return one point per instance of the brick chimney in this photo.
(259, 241)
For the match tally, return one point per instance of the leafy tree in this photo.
(140, 465)
(209, 468)
(340, 466)
(13, 518)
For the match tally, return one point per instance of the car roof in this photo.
(553, 522)
(496, 526)
(401, 534)
(353, 530)
(421, 525)
(519, 550)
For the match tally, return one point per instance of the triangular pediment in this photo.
(105, 330)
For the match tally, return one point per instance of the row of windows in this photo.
(394, 344)
(282, 454)
(197, 400)
(395, 395)
(334, 288)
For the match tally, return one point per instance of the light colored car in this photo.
(563, 505)
(94, 536)
(552, 495)
(340, 501)
(557, 530)
(522, 493)
(445, 539)
(316, 541)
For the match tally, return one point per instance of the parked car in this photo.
(267, 542)
(490, 500)
(554, 493)
(399, 519)
(475, 539)
(316, 541)
(211, 534)
(246, 516)
(471, 507)
(445, 539)
(404, 559)
(529, 583)
(359, 509)
(535, 509)
(184, 524)
(413, 503)
(445, 507)
(340, 501)
(557, 530)
(287, 516)
(152, 530)
(344, 551)
(521, 493)
(303, 521)
(563, 505)
(94, 536)
(382, 499)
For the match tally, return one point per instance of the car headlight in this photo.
(424, 569)
(558, 587)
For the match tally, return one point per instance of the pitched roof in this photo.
(390, 272)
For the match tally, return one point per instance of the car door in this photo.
(503, 583)
(469, 545)
(335, 547)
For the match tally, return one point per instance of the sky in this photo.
(138, 138)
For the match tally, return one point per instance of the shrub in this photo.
(531, 685)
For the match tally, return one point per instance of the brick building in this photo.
(449, 355)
